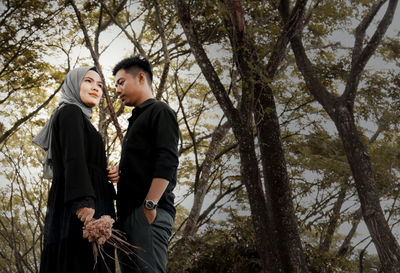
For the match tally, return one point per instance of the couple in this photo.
(81, 191)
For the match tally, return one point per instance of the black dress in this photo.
(79, 174)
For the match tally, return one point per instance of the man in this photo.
(147, 169)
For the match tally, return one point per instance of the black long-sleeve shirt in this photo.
(149, 150)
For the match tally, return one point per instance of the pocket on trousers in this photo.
(142, 217)
(163, 221)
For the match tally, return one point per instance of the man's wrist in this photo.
(149, 204)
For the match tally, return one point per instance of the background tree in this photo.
(340, 109)
(22, 45)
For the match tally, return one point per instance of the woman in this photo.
(75, 159)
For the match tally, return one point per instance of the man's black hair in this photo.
(134, 61)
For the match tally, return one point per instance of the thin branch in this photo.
(18, 123)
(161, 31)
(362, 28)
(115, 12)
(95, 58)
(345, 247)
(293, 24)
(123, 29)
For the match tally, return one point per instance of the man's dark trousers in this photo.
(151, 240)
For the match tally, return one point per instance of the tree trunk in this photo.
(387, 247)
(332, 225)
(103, 121)
(344, 249)
(262, 224)
(340, 109)
(277, 182)
(202, 183)
(282, 219)
(241, 122)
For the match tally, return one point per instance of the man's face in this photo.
(128, 87)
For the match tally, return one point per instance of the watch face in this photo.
(149, 204)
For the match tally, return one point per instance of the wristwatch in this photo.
(150, 204)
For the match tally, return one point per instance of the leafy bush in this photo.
(228, 249)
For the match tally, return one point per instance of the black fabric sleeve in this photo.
(72, 140)
(84, 202)
(166, 132)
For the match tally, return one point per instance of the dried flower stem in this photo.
(100, 231)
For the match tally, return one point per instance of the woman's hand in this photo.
(85, 214)
(113, 174)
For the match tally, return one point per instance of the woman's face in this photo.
(91, 88)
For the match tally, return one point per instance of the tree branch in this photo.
(362, 56)
(345, 247)
(200, 186)
(204, 62)
(333, 221)
(321, 94)
(361, 29)
(293, 24)
(161, 31)
(16, 125)
(116, 10)
(123, 29)
(95, 58)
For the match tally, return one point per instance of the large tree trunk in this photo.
(277, 182)
(283, 221)
(387, 247)
(340, 109)
(241, 122)
(262, 224)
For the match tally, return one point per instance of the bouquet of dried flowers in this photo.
(101, 231)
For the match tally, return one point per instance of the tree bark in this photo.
(277, 183)
(241, 122)
(202, 183)
(340, 109)
(387, 247)
(279, 199)
(332, 225)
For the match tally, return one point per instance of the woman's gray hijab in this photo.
(70, 95)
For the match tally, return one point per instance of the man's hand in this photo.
(150, 215)
(85, 214)
(113, 174)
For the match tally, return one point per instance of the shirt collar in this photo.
(145, 103)
(140, 108)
